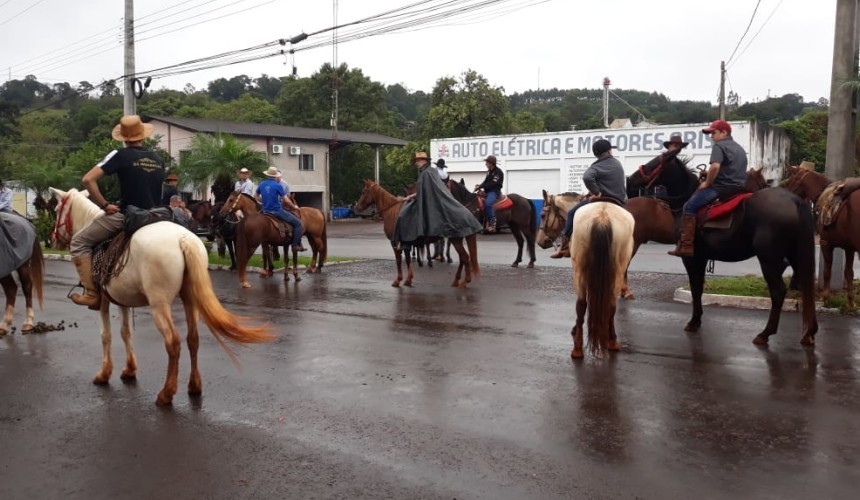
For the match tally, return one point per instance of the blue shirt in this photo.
(271, 192)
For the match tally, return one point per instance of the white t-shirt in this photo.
(246, 187)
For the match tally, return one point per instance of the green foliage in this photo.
(467, 107)
(246, 108)
(216, 159)
(44, 224)
(808, 138)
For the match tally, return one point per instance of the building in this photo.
(556, 161)
(302, 154)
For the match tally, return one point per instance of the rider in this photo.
(604, 178)
(5, 198)
(287, 201)
(725, 176)
(140, 173)
(667, 160)
(270, 193)
(170, 183)
(244, 184)
(441, 168)
(492, 186)
(431, 211)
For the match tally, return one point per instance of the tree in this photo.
(246, 108)
(808, 138)
(215, 159)
(223, 89)
(467, 107)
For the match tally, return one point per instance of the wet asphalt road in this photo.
(434, 392)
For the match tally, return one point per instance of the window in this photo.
(306, 162)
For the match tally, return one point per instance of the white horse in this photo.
(164, 260)
(601, 249)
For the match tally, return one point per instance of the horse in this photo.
(314, 227)
(31, 272)
(201, 217)
(163, 260)
(839, 230)
(224, 228)
(388, 206)
(520, 217)
(601, 249)
(418, 251)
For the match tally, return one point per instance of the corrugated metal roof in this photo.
(278, 131)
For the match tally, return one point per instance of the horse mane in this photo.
(248, 196)
(569, 194)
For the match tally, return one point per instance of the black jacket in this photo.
(494, 181)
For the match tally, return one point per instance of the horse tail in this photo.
(601, 286)
(803, 266)
(324, 236)
(198, 286)
(532, 222)
(472, 243)
(37, 271)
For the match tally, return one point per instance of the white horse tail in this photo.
(602, 277)
(222, 324)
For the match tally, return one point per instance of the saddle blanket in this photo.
(720, 208)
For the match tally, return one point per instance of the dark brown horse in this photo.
(427, 244)
(520, 218)
(388, 206)
(839, 231)
(201, 217)
(31, 274)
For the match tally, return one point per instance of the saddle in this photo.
(504, 202)
(831, 201)
(607, 199)
(285, 230)
(719, 213)
(109, 258)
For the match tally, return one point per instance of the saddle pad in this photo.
(720, 208)
(285, 230)
(503, 204)
(829, 204)
(109, 257)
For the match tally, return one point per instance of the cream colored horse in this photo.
(601, 249)
(164, 260)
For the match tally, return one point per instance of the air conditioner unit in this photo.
(277, 149)
(295, 150)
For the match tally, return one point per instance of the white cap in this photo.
(244, 170)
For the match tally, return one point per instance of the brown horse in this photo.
(201, 217)
(388, 206)
(31, 274)
(520, 217)
(839, 231)
(313, 225)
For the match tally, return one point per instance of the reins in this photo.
(64, 237)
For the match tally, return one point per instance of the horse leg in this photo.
(626, 294)
(576, 332)
(161, 314)
(410, 275)
(518, 235)
(463, 264)
(231, 249)
(103, 375)
(129, 373)
(772, 273)
(11, 291)
(314, 252)
(429, 253)
(849, 276)
(27, 288)
(530, 246)
(696, 275)
(295, 265)
(192, 317)
(614, 344)
(827, 265)
(398, 258)
(448, 253)
(267, 261)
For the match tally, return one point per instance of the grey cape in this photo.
(16, 242)
(433, 212)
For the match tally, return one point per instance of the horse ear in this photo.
(462, 181)
(57, 192)
(85, 193)
(545, 195)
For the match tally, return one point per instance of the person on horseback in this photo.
(5, 198)
(492, 186)
(726, 176)
(170, 188)
(244, 184)
(141, 175)
(604, 178)
(441, 168)
(667, 160)
(286, 199)
(270, 192)
(432, 211)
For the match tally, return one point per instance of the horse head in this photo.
(552, 219)
(755, 180)
(74, 211)
(367, 197)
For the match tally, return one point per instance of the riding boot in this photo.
(298, 248)
(564, 251)
(686, 242)
(92, 298)
(491, 226)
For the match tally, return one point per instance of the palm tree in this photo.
(215, 159)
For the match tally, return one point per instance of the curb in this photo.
(741, 302)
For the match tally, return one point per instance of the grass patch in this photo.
(755, 286)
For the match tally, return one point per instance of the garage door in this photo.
(529, 183)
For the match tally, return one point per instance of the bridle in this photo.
(474, 205)
(795, 182)
(382, 210)
(62, 232)
(550, 208)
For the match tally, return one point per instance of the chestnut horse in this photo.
(843, 231)
(520, 217)
(30, 272)
(600, 249)
(388, 206)
(163, 260)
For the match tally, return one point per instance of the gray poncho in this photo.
(16, 242)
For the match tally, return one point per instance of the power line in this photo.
(729, 60)
(772, 12)
(23, 11)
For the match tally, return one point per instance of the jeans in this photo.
(291, 220)
(100, 229)
(568, 224)
(700, 198)
(492, 196)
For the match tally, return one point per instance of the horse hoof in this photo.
(264, 275)
(614, 345)
(298, 278)
(515, 264)
(760, 340)
(396, 284)
(101, 379)
(245, 284)
(577, 353)
(691, 327)
(163, 400)
(807, 340)
(128, 376)
(194, 389)
(25, 329)
(531, 265)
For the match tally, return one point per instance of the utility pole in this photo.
(129, 106)
(841, 127)
(606, 84)
(722, 90)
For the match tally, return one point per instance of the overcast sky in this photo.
(669, 46)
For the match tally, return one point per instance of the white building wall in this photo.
(556, 161)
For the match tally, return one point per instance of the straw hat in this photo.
(131, 129)
(807, 165)
(271, 172)
(421, 155)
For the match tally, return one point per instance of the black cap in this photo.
(601, 146)
(440, 163)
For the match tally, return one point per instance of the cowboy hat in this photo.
(131, 129)
(171, 177)
(807, 165)
(491, 159)
(440, 163)
(271, 172)
(675, 138)
(421, 155)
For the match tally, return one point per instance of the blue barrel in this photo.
(538, 209)
(339, 213)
